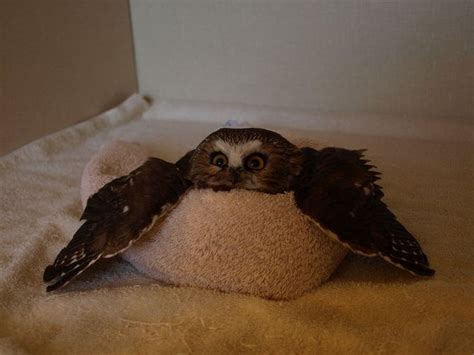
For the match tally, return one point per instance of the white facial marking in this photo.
(125, 209)
(237, 152)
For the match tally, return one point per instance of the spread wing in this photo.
(338, 190)
(116, 216)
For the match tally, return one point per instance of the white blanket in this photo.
(367, 305)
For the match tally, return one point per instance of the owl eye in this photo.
(219, 160)
(255, 162)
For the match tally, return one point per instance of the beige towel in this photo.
(367, 305)
(238, 241)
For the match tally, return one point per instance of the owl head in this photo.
(248, 158)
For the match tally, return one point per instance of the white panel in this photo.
(398, 57)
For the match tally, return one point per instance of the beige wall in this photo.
(405, 58)
(62, 61)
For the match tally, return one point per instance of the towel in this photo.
(366, 306)
(237, 241)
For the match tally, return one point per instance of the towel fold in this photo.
(237, 241)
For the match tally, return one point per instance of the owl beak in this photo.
(234, 175)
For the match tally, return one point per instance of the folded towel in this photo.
(237, 241)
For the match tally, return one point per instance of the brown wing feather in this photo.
(338, 190)
(117, 215)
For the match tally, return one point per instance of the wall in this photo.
(406, 58)
(62, 61)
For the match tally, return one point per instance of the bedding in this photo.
(367, 305)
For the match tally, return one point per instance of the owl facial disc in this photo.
(236, 153)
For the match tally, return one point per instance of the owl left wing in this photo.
(338, 190)
(117, 215)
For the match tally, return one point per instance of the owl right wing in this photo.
(337, 189)
(117, 215)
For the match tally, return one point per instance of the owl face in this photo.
(249, 158)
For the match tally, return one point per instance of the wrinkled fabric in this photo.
(367, 305)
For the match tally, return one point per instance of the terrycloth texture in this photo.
(366, 306)
(238, 241)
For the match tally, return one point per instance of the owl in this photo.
(335, 188)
